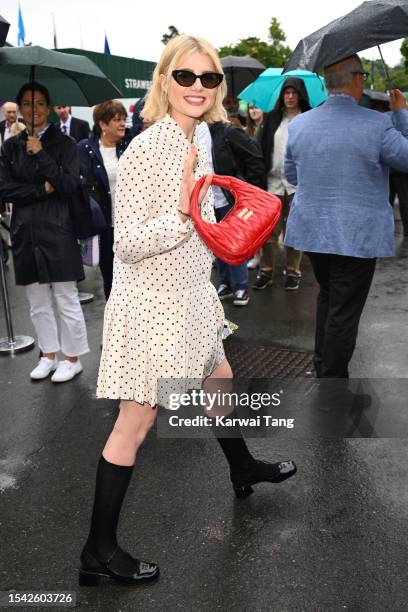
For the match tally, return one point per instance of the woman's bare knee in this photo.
(219, 386)
(135, 420)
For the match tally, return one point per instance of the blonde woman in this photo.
(163, 318)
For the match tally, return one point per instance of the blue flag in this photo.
(106, 47)
(21, 31)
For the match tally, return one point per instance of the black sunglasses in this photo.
(186, 78)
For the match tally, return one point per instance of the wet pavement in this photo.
(332, 538)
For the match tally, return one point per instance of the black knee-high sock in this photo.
(234, 447)
(236, 453)
(112, 482)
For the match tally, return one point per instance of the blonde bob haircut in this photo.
(157, 102)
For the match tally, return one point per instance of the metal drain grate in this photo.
(268, 362)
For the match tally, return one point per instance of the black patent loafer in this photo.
(121, 567)
(261, 471)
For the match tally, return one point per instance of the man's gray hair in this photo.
(341, 75)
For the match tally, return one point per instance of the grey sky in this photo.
(135, 29)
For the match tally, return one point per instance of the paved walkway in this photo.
(330, 539)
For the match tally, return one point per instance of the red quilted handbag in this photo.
(244, 229)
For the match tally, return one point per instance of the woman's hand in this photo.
(48, 187)
(33, 145)
(187, 185)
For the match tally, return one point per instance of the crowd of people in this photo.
(249, 148)
(163, 317)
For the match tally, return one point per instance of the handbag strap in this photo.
(218, 180)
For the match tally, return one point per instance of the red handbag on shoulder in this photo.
(244, 229)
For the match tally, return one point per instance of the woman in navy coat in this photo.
(98, 156)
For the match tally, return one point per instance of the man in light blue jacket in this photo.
(339, 156)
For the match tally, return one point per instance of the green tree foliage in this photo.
(172, 33)
(375, 69)
(403, 67)
(398, 75)
(404, 51)
(273, 54)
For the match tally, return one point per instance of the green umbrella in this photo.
(71, 79)
(265, 91)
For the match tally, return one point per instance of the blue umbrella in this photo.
(264, 92)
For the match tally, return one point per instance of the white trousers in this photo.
(74, 339)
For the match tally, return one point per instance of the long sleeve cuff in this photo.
(401, 121)
(183, 227)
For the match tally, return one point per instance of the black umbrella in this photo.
(369, 25)
(240, 71)
(375, 99)
(4, 28)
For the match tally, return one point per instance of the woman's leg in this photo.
(233, 446)
(132, 425)
(74, 339)
(42, 316)
(102, 555)
(245, 470)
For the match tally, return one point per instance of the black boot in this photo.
(261, 471)
(246, 471)
(101, 556)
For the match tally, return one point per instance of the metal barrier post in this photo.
(12, 344)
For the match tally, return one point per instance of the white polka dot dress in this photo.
(163, 319)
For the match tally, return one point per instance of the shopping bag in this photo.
(90, 251)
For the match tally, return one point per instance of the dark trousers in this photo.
(106, 259)
(344, 286)
(399, 187)
(233, 276)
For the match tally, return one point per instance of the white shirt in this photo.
(67, 124)
(41, 134)
(204, 137)
(277, 183)
(110, 161)
(7, 132)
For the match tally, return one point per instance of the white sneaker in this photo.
(66, 370)
(44, 368)
(254, 262)
(241, 297)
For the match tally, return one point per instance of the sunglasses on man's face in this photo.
(186, 78)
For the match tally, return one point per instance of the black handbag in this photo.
(87, 216)
(92, 184)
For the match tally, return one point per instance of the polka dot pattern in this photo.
(163, 318)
